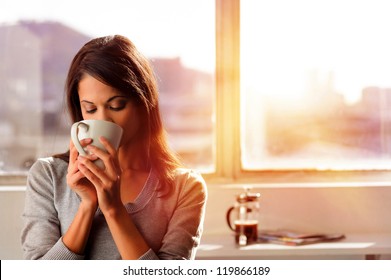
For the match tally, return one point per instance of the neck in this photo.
(132, 159)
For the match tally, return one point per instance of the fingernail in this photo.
(93, 157)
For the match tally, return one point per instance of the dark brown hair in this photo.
(115, 61)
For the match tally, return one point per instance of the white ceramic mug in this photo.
(94, 129)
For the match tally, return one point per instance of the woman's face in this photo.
(99, 101)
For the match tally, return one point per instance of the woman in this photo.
(143, 205)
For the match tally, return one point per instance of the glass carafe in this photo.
(242, 218)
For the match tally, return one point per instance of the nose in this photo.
(104, 115)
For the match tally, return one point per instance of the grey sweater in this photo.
(171, 224)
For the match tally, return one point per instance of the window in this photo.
(301, 91)
(38, 42)
(315, 85)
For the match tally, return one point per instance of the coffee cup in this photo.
(94, 129)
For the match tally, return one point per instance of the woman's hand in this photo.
(77, 180)
(107, 181)
(129, 241)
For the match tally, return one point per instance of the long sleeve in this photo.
(41, 233)
(186, 224)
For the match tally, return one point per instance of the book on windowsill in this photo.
(293, 238)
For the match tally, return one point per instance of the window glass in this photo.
(315, 84)
(38, 40)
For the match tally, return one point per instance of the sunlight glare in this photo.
(283, 42)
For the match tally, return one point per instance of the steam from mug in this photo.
(94, 129)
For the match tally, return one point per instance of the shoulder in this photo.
(45, 179)
(48, 167)
(49, 163)
(190, 182)
(188, 175)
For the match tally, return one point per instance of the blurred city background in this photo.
(35, 57)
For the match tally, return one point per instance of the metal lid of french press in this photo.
(247, 197)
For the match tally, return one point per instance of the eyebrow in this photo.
(108, 100)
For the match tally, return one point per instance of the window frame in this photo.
(229, 168)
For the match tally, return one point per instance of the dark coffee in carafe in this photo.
(248, 228)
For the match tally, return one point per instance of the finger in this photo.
(72, 167)
(109, 161)
(73, 179)
(109, 148)
(85, 169)
(97, 151)
(112, 151)
(85, 142)
(73, 153)
(86, 162)
(110, 156)
(74, 174)
(104, 177)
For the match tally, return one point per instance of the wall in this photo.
(11, 207)
(329, 210)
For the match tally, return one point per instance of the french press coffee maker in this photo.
(245, 221)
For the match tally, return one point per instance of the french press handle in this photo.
(229, 218)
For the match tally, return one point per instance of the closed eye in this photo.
(91, 111)
(118, 105)
(116, 108)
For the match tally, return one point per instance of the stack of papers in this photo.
(293, 238)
